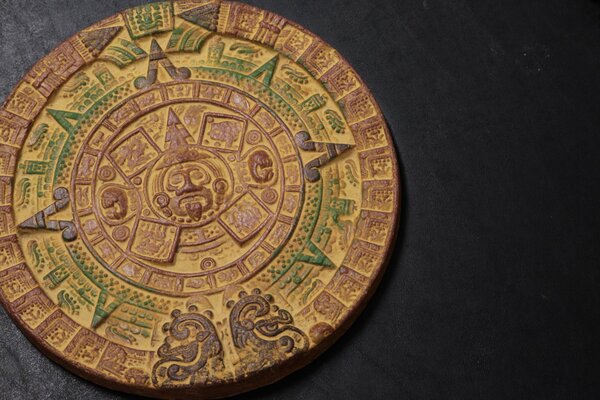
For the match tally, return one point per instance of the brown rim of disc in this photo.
(284, 341)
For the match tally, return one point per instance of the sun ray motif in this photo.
(197, 196)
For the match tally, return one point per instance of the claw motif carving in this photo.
(191, 349)
(40, 221)
(262, 333)
(195, 195)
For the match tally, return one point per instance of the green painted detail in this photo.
(83, 294)
(333, 210)
(68, 121)
(61, 161)
(35, 167)
(66, 301)
(205, 15)
(118, 332)
(104, 76)
(133, 49)
(316, 256)
(56, 276)
(35, 140)
(123, 53)
(64, 119)
(187, 38)
(340, 207)
(103, 310)
(244, 49)
(218, 59)
(313, 103)
(267, 95)
(51, 154)
(296, 277)
(113, 287)
(308, 251)
(149, 18)
(295, 76)
(311, 288)
(138, 320)
(335, 121)
(268, 70)
(23, 192)
(351, 172)
(271, 97)
(34, 250)
(68, 276)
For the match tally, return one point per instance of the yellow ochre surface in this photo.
(193, 192)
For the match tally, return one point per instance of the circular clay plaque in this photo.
(199, 198)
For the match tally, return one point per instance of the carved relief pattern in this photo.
(262, 333)
(191, 350)
(193, 194)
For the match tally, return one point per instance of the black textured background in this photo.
(494, 288)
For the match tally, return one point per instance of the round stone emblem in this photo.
(199, 196)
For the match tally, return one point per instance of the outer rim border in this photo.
(263, 377)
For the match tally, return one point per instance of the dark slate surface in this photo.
(494, 288)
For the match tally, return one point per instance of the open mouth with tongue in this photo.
(190, 187)
(193, 204)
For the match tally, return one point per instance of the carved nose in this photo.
(188, 186)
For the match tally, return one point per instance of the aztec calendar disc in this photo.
(198, 197)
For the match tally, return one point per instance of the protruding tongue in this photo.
(194, 210)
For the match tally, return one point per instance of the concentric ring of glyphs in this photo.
(196, 164)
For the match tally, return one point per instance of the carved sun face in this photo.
(199, 166)
(187, 190)
(192, 188)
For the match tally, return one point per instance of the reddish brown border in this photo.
(264, 377)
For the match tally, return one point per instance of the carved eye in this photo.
(114, 202)
(162, 200)
(197, 176)
(260, 164)
(175, 180)
(220, 186)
